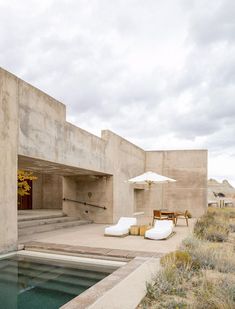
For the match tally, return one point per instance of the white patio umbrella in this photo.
(150, 178)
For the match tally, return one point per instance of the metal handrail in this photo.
(83, 203)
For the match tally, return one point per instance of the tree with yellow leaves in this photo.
(23, 185)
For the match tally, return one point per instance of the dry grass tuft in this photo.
(213, 227)
(179, 259)
(214, 295)
(232, 227)
(227, 211)
(207, 255)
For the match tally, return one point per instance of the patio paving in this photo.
(90, 238)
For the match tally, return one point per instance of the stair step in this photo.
(51, 227)
(53, 284)
(37, 279)
(24, 224)
(60, 287)
(35, 270)
(39, 217)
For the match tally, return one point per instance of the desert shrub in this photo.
(210, 295)
(173, 304)
(207, 255)
(212, 227)
(180, 259)
(199, 251)
(232, 214)
(227, 212)
(168, 303)
(232, 227)
(204, 257)
(150, 292)
(225, 260)
(167, 282)
(217, 233)
(190, 243)
(202, 224)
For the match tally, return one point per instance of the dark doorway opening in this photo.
(25, 202)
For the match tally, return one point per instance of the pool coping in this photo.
(71, 260)
(89, 251)
(124, 288)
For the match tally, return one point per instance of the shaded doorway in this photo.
(139, 199)
(25, 202)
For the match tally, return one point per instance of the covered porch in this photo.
(62, 197)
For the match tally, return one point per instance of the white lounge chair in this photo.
(120, 229)
(161, 230)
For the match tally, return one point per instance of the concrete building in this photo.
(74, 164)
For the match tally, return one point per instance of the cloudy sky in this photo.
(161, 73)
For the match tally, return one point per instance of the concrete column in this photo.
(8, 161)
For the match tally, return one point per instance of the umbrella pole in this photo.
(163, 206)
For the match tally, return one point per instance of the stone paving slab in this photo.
(127, 254)
(92, 236)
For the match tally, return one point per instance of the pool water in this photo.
(25, 283)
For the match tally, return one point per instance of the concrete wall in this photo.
(125, 160)
(47, 191)
(45, 134)
(96, 190)
(8, 161)
(189, 168)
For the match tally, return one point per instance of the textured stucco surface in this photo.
(94, 190)
(8, 161)
(189, 168)
(47, 191)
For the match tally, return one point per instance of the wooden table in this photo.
(170, 214)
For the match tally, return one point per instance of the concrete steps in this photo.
(28, 217)
(27, 275)
(38, 270)
(31, 223)
(39, 224)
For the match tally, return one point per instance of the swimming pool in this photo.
(28, 282)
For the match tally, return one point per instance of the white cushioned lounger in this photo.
(161, 230)
(121, 228)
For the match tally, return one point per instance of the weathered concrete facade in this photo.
(74, 164)
(8, 160)
(189, 168)
(47, 191)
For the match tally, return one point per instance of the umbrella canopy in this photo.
(149, 178)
